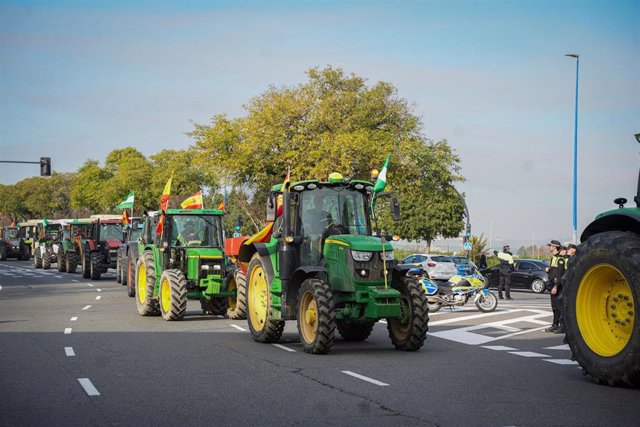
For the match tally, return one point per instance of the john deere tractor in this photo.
(28, 234)
(601, 296)
(49, 234)
(69, 253)
(323, 268)
(185, 261)
(12, 245)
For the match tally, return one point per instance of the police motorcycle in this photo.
(467, 285)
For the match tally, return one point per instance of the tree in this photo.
(479, 245)
(335, 122)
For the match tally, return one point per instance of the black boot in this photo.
(500, 296)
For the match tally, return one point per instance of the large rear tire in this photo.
(263, 328)
(601, 296)
(72, 262)
(96, 261)
(237, 307)
(316, 316)
(26, 252)
(173, 295)
(354, 331)
(86, 263)
(3, 252)
(145, 282)
(131, 279)
(46, 260)
(409, 331)
(124, 273)
(37, 259)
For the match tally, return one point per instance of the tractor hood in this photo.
(204, 253)
(359, 243)
(113, 244)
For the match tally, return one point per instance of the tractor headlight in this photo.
(387, 256)
(361, 256)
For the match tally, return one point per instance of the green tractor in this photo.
(323, 267)
(49, 234)
(12, 245)
(186, 261)
(27, 235)
(68, 253)
(601, 296)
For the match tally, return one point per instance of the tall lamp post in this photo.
(575, 154)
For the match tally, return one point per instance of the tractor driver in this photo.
(188, 234)
(314, 218)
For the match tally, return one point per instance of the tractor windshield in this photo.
(52, 231)
(136, 230)
(110, 232)
(10, 234)
(196, 231)
(327, 211)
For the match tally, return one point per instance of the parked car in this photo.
(439, 267)
(528, 273)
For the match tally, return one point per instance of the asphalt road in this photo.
(75, 352)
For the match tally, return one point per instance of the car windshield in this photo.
(196, 230)
(110, 232)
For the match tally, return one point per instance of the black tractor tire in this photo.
(37, 259)
(3, 253)
(124, 273)
(96, 262)
(354, 331)
(46, 260)
(86, 263)
(263, 327)
(216, 306)
(408, 332)
(131, 279)
(62, 264)
(237, 307)
(173, 295)
(600, 297)
(118, 272)
(146, 304)
(26, 252)
(316, 316)
(72, 262)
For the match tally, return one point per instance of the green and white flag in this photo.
(381, 182)
(127, 203)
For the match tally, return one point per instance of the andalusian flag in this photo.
(127, 203)
(193, 202)
(381, 182)
(164, 202)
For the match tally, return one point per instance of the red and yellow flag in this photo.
(125, 217)
(221, 206)
(164, 202)
(193, 202)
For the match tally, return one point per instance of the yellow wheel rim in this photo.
(605, 310)
(308, 317)
(142, 284)
(165, 295)
(232, 301)
(257, 298)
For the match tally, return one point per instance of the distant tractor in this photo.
(185, 262)
(48, 234)
(69, 253)
(128, 255)
(27, 234)
(601, 296)
(99, 249)
(12, 245)
(324, 268)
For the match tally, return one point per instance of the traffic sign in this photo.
(468, 246)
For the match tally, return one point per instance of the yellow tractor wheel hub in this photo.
(141, 290)
(309, 312)
(257, 298)
(165, 291)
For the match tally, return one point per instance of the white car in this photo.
(439, 267)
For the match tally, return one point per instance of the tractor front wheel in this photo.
(37, 259)
(600, 299)
(72, 262)
(173, 295)
(46, 260)
(145, 283)
(316, 316)
(409, 331)
(354, 331)
(237, 306)
(96, 260)
(263, 328)
(62, 265)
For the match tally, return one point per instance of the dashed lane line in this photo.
(284, 348)
(99, 290)
(562, 361)
(238, 327)
(67, 331)
(499, 348)
(0, 287)
(88, 387)
(528, 354)
(363, 378)
(73, 319)
(98, 297)
(74, 280)
(89, 284)
(559, 347)
(69, 351)
(86, 307)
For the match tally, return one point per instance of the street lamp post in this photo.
(575, 154)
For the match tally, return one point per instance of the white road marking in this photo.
(284, 348)
(57, 277)
(363, 378)
(98, 297)
(86, 307)
(382, 321)
(559, 347)
(89, 284)
(238, 328)
(99, 290)
(562, 361)
(73, 319)
(528, 354)
(219, 316)
(475, 316)
(88, 387)
(73, 280)
(69, 351)
(67, 331)
(0, 287)
(499, 347)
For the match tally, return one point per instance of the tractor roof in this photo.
(193, 212)
(102, 217)
(302, 185)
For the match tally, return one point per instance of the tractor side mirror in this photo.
(271, 208)
(395, 209)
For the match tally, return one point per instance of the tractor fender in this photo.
(261, 249)
(624, 221)
(92, 245)
(300, 275)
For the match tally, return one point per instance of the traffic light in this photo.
(45, 166)
(467, 234)
(238, 222)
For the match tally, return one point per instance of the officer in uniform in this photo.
(505, 268)
(555, 272)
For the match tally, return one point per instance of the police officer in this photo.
(505, 268)
(555, 272)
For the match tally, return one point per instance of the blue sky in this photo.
(80, 78)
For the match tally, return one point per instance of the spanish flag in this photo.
(164, 202)
(125, 218)
(193, 202)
